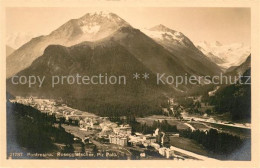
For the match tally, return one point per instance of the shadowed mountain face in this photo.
(106, 57)
(235, 98)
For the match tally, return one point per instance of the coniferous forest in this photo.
(29, 130)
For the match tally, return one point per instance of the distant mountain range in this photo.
(225, 56)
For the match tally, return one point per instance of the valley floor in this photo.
(183, 148)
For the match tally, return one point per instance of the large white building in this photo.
(117, 139)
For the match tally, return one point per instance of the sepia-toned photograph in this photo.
(128, 83)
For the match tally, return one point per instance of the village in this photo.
(119, 140)
(100, 131)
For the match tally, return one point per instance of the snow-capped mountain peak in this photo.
(161, 27)
(229, 55)
(101, 17)
(161, 32)
(92, 22)
(164, 34)
(90, 27)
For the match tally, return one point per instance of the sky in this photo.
(226, 25)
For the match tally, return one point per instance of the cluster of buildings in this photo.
(44, 105)
(60, 111)
(155, 140)
(112, 132)
(120, 135)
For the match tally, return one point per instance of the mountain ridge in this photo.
(68, 34)
(183, 48)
